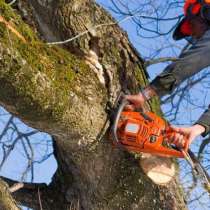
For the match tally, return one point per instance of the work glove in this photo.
(138, 101)
(189, 134)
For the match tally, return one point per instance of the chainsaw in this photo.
(140, 131)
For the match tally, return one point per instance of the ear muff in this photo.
(205, 12)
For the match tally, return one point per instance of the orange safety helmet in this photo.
(191, 8)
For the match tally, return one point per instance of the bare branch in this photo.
(94, 28)
(159, 60)
(203, 145)
(12, 2)
(40, 201)
(16, 187)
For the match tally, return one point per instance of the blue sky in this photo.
(44, 161)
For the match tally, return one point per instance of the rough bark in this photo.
(61, 91)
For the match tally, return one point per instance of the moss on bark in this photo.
(44, 76)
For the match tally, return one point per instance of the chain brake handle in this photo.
(117, 118)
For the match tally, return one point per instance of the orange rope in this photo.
(9, 26)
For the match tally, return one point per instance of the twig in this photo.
(159, 60)
(40, 201)
(81, 34)
(203, 145)
(16, 187)
(92, 29)
(6, 127)
(11, 147)
(12, 2)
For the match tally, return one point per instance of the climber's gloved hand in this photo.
(186, 134)
(138, 100)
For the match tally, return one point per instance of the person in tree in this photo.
(195, 24)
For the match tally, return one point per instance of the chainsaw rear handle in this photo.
(117, 117)
(170, 135)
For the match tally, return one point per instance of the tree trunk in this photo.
(6, 201)
(65, 92)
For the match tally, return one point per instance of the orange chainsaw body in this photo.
(146, 132)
